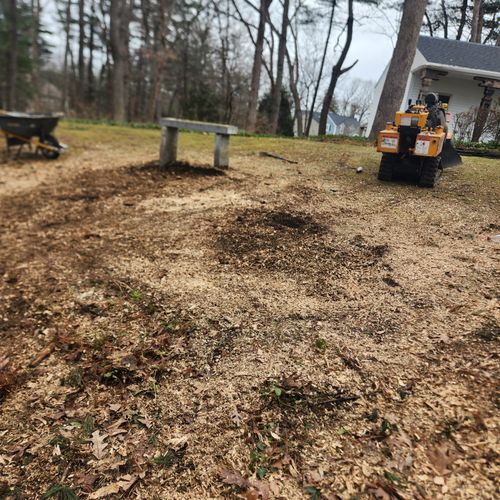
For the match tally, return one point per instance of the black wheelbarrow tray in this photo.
(35, 130)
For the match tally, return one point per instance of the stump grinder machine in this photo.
(417, 142)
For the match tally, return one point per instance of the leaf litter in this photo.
(303, 347)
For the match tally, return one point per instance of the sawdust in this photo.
(251, 332)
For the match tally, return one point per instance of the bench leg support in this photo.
(221, 153)
(168, 147)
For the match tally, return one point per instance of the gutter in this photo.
(459, 69)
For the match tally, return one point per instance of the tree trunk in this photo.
(429, 24)
(295, 95)
(160, 60)
(482, 113)
(476, 24)
(337, 70)
(81, 47)
(35, 53)
(445, 18)
(143, 64)
(322, 65)
(67, 28)
(276, 93)
(12, 56)
(400, 65)
(257, 66)
(463, 18)
(119, 34)
(90, 65)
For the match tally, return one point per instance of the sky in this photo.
(374, 36)
(373, 52)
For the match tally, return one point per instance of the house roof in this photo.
(458, 53)
(349, 121)
(337, 119)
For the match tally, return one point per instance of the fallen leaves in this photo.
(383, 490)
(178, 443)
(253, 487)
(98, 444)
(123, 484)
(442, 457)
(44, 353)
(115, 428)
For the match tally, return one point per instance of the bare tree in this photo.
(257, 65)
(400, 65)
(12, 60)
(321, 67)
(463, 18)
(160, 59)
(81, 48)
(35, 50)
(119, 37)
(280, 65)
(337, 71)
(444, 13)
(476, 25)
(294, 75)
(355, 98)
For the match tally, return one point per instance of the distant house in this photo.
(462, 73)
(335, 125)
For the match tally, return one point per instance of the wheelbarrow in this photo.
(31, 129)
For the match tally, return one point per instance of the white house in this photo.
(336, 124)
(462, 73)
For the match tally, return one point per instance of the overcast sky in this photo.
(373, 52)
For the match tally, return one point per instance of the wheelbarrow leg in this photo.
(19, 151)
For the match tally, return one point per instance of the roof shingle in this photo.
(458, 53)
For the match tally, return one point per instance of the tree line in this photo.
(253, 63)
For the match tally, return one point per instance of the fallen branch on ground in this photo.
(277, 157)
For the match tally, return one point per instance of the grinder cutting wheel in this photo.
(419, 141)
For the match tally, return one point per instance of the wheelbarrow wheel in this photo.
(50, 140)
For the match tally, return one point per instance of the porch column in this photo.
(427, 76)
(484, 107)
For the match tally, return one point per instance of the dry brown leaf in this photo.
(313, 477)
(252, 486)
(275, 487)
(146, 421)
(105, 491)
(98, 444)
(232, 477)
(115, 428)
(177, 443)
(85, 481)
(383, 491)
(236, 417)
(4, 361)
(441, 457)
(124, 483)
(127, 481)
(251, 494)
(366, 470)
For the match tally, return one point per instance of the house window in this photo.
(445, 98)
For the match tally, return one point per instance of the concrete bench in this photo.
(170, 131)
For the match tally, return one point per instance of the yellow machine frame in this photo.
(429, 142)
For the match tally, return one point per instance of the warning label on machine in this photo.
(422, 147)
